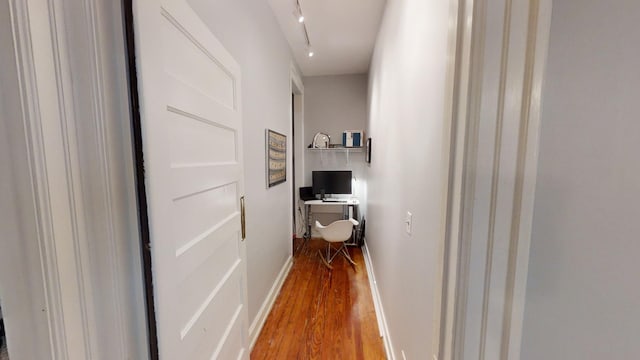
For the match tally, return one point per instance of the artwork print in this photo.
(276, 158)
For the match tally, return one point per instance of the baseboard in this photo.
(377, 304)
(261, 317)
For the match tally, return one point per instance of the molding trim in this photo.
(536, 58)
(267, 305)
(460, 47)
(496, 181)
(464, 134)
(105, 159)
(296, 88)
(296, 78)
(107, 223)
(470, 74)
(377, 303)
(35, 139)
(501, 69)
(73, 89)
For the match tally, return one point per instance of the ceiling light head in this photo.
(310, 52)
(298, 13)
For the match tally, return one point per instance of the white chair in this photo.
(336, 232)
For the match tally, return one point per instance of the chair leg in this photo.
(344, 251)
(328, 259)
(324, 260)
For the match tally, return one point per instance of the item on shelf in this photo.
(352, 138)
(321, 141)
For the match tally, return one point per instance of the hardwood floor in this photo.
(322, 313)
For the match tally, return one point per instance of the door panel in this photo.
(191, 125)
(190, 61)
(204, 139)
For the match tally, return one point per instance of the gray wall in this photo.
(409, 123)
(583, 297)
(333, 104)
(249, 31)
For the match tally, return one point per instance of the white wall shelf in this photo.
(332, 155)
(338, 149)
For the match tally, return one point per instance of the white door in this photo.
(191, 128)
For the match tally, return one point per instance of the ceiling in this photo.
(342, 33)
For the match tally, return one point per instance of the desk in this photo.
(347, 204)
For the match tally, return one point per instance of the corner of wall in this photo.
(267, 305)
(377, 303)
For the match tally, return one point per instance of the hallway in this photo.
(322, 314)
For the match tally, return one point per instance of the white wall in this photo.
(251, 34)
(410, 127)
(333, 104)
(582, 293)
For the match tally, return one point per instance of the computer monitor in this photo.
(331, 182)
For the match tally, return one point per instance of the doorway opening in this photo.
(293, 164)
(297, 158)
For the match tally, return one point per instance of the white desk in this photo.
(354, 204)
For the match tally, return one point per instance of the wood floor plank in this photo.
(322, 313)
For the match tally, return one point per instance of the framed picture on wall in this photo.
(276, 155)
(367, 154)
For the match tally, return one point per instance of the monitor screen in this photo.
(331, 182)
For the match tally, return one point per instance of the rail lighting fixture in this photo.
(300, 17)
(298, 13)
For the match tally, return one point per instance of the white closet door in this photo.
(192, 142)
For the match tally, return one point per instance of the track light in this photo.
(300, 17)
(298, 13)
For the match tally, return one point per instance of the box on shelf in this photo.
(352, 138)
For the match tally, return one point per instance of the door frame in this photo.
(297, 143)
(141, 190)
(500, 61)
(22, 283)
(85, 268)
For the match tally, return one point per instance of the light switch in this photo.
(408, 220)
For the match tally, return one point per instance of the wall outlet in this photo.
(408, 222)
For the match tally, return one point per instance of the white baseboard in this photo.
(377, 303)
(265, 309)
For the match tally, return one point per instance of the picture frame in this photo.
(367, 154)
(276, 157)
